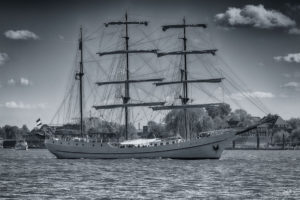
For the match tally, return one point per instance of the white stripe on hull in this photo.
(204, 148)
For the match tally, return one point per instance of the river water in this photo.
(36, 174)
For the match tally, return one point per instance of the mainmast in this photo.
(184, 74)
(127, 81)
(185, 98)
(79, 76)
(127, 97)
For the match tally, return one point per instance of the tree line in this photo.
(199, 120)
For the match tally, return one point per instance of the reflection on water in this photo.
(36, 174)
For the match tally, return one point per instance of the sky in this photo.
(259, 40)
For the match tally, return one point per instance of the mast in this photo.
(185, 84)
(184, 74)
(126, 98)
(127, 81)
(79, 76)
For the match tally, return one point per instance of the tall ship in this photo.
(116, 141)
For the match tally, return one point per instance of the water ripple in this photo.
(36, 174)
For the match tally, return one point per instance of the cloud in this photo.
(61, 37)
(21, 82)
(295, 74)
(254, 16)
(21, 105)
(11, 81)
(294, 31)
(291, 84)
(256, 94)
(292, 57)
(21, 35)
(24, 81)
(3, 58)
(294, 7)
(287, 75)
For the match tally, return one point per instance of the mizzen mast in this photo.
(127, 81)
(184, 74)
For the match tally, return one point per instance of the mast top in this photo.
(184, 25)
(126, 22)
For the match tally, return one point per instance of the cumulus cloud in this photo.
(3, 58)
(21, 105)
(256, 94)
(292, 57)
(254, 16)
(21, 35)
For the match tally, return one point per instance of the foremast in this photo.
(79, 76)
(126, 98)
(184, 74)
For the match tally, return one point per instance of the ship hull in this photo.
(203, 148)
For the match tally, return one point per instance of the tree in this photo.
(242, 117)
(294, 123)
(156, 129)
(132, 132)
(220, 111)
(207, 124)
(219, 123)
(11, 132)
(278, 136)
(295, 136)
(175, 120)
(24, 130)
(2, 133)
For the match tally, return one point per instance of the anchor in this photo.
(216, 147)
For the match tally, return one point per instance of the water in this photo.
(36, 174)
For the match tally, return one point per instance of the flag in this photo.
(38, 122)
